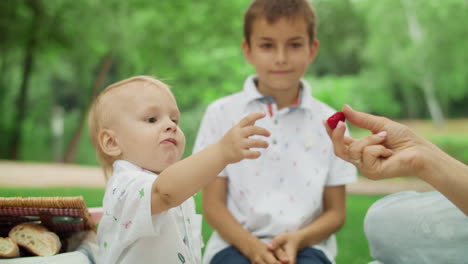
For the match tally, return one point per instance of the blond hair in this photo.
(98, 118)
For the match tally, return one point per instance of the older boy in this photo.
(286, 205)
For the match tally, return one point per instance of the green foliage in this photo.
(417, 48)
(337, 91)
(456, 147)
(341, 40)
(367, 58)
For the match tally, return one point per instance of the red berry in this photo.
(333, 120)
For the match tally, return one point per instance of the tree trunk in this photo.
(28, 65)
(425, 81)
(70, 153)
(431, 101)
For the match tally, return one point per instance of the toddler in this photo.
(148, 210)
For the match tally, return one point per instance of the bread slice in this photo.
(36, 239)
(8, 248)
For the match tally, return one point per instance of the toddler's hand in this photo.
(236, 144)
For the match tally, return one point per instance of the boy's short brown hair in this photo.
(272, 10)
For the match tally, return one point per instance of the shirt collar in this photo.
(252, 94)
(123, 165)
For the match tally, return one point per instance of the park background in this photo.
(404, 59)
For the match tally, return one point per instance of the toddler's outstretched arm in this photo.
(186, 177)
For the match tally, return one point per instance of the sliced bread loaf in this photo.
(36, 239)
(8, 248)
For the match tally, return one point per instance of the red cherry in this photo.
(333, 120)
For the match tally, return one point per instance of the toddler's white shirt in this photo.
(128, 233)
(282, 190)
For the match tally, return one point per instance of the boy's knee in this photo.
(229, 255)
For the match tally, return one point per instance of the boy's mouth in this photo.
(281, 72)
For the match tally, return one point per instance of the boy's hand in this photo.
(258, 253)
(235, 145)
(285, 247)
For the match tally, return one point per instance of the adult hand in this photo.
(393, 150)
(236, 143)
(285, 246)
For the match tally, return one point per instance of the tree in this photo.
(408, 47)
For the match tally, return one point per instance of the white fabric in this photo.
(75, 257)
(128, 233)
(282, 190)
(417, 228)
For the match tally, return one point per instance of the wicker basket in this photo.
(62, 215)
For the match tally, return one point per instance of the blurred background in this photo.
(405, 59)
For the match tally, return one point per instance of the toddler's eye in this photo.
(175, 121)
(151, 120)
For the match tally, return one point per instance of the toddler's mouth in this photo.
(169, 140)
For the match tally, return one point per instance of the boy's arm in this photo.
(221, 219)
(328, 223)
(186, 177)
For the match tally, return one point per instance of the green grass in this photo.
(352, 244)
(92, 196)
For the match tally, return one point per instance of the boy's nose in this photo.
(281, 56)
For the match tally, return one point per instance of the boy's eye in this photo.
(175, 121)
(296, 45)
(151, 120)
(266, 45)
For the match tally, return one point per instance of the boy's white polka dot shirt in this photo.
(282, 190)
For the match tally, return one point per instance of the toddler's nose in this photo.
(171, 126)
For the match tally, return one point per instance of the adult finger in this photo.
(337, 137)
(251, 118)
(348, 140)
(356, 148)
(365, 120)
(372, 156)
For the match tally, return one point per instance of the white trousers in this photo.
(411, 227)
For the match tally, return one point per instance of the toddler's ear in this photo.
(108, 143)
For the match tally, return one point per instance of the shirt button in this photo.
(275, 122)
(274, 141)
